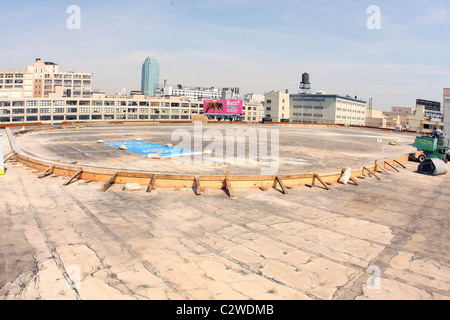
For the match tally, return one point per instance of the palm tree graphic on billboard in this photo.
(214, 106)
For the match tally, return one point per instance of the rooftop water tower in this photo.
(305, 85)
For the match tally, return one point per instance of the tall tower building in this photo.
(150, 76)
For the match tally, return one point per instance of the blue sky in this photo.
(257, 45)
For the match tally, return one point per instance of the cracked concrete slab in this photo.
(74, 242)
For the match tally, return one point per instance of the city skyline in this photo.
(258, 46)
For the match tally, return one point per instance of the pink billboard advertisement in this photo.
(222, 106)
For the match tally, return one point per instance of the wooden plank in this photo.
(198, 188)
(316, 176)
(47, 172)
(399, 164)
(383, 169)
(151, 185)
(372, 173)
(390, 165)
(281, 183)
(109, 183)
(263, 188)
(73, 177)
(229, 188)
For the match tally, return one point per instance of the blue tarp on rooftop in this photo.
(146, 148)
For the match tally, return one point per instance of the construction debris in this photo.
(132, 187)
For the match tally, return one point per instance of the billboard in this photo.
(223, 107)
(432, 109)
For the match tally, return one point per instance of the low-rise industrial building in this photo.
(327, 108)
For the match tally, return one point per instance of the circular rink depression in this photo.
(222, 150)
(214, 156)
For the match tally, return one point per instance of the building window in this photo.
(58, 118)
(5, 119)
(143, 110)
(71, 117)
(58, 110)
(32, 110)
(109, 110)
(18, 103)
(45, 110)
(32, 118)
(84, 103)
(96, 117)
(132, 117)
(45, 118)
(45, 103)
(143, 116)
(18, 111)
(72, 110)
(85, 110)
(83, 117)
(97, 110)
(17, 119)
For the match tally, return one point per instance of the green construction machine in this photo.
(432, 147)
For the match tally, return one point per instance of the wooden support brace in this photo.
(151, 185)
(372, 173)
(198, 188)
(390, 165)
(109, 183)
(47, 172)
(399, 164)
(9, 156)
(73, 177)
(383, 169)
(354, 181)
(229, 188)
(283, 187)
(316, 176)
(263, 188)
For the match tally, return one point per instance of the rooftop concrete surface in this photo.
(384, 239)
(301, 148)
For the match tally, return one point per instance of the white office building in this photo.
(327, 108)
